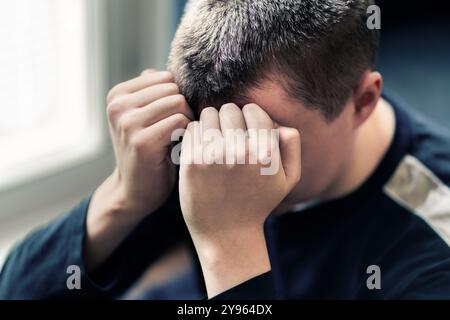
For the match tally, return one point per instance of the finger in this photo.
(209, 119)
(150, 94)
(148, 71)
(212, 139)
(290, 149)
(163, 132)
(231, 118)
(191, 145)
(256, 118)
(146, 79)
(161, 109)
(260, 134)
(186, 155)
(232, 124)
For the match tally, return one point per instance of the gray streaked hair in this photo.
(316, 49)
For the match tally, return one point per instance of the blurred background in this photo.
(59, 58)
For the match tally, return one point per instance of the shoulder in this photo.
(420, 185)
(421, 181)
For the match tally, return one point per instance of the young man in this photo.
(360, 205)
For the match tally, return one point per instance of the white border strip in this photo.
(419, 190)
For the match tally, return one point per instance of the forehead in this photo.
(282, 108)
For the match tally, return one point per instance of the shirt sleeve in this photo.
(40, 266)
(259, 288)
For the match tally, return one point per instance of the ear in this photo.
(366, 96)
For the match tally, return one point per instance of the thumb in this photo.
(290, 150)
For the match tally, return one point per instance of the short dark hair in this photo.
(320, 47)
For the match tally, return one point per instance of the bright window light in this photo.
(45, 114)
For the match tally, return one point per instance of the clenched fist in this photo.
(142, 113)
(226, 195)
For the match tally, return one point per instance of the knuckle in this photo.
(166, 76)
(147, 71)
(172, 88)
(179, 100)
(296, 135)
(190, 126)
(180, 119)
(125, 124)
(228, 106)
(113, 110)
(250, 107)
(112, 94)
(209, 111)
(137, 142)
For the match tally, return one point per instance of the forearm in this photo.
(229, 260)
(107, 224)
(225, 206)
(36, 267)
(142, 115)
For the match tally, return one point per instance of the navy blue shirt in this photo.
(387, 240)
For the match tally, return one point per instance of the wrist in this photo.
(111, 203)
(120, 203)
(227, 261)
(107, 223)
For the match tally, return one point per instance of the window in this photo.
(47, 116)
